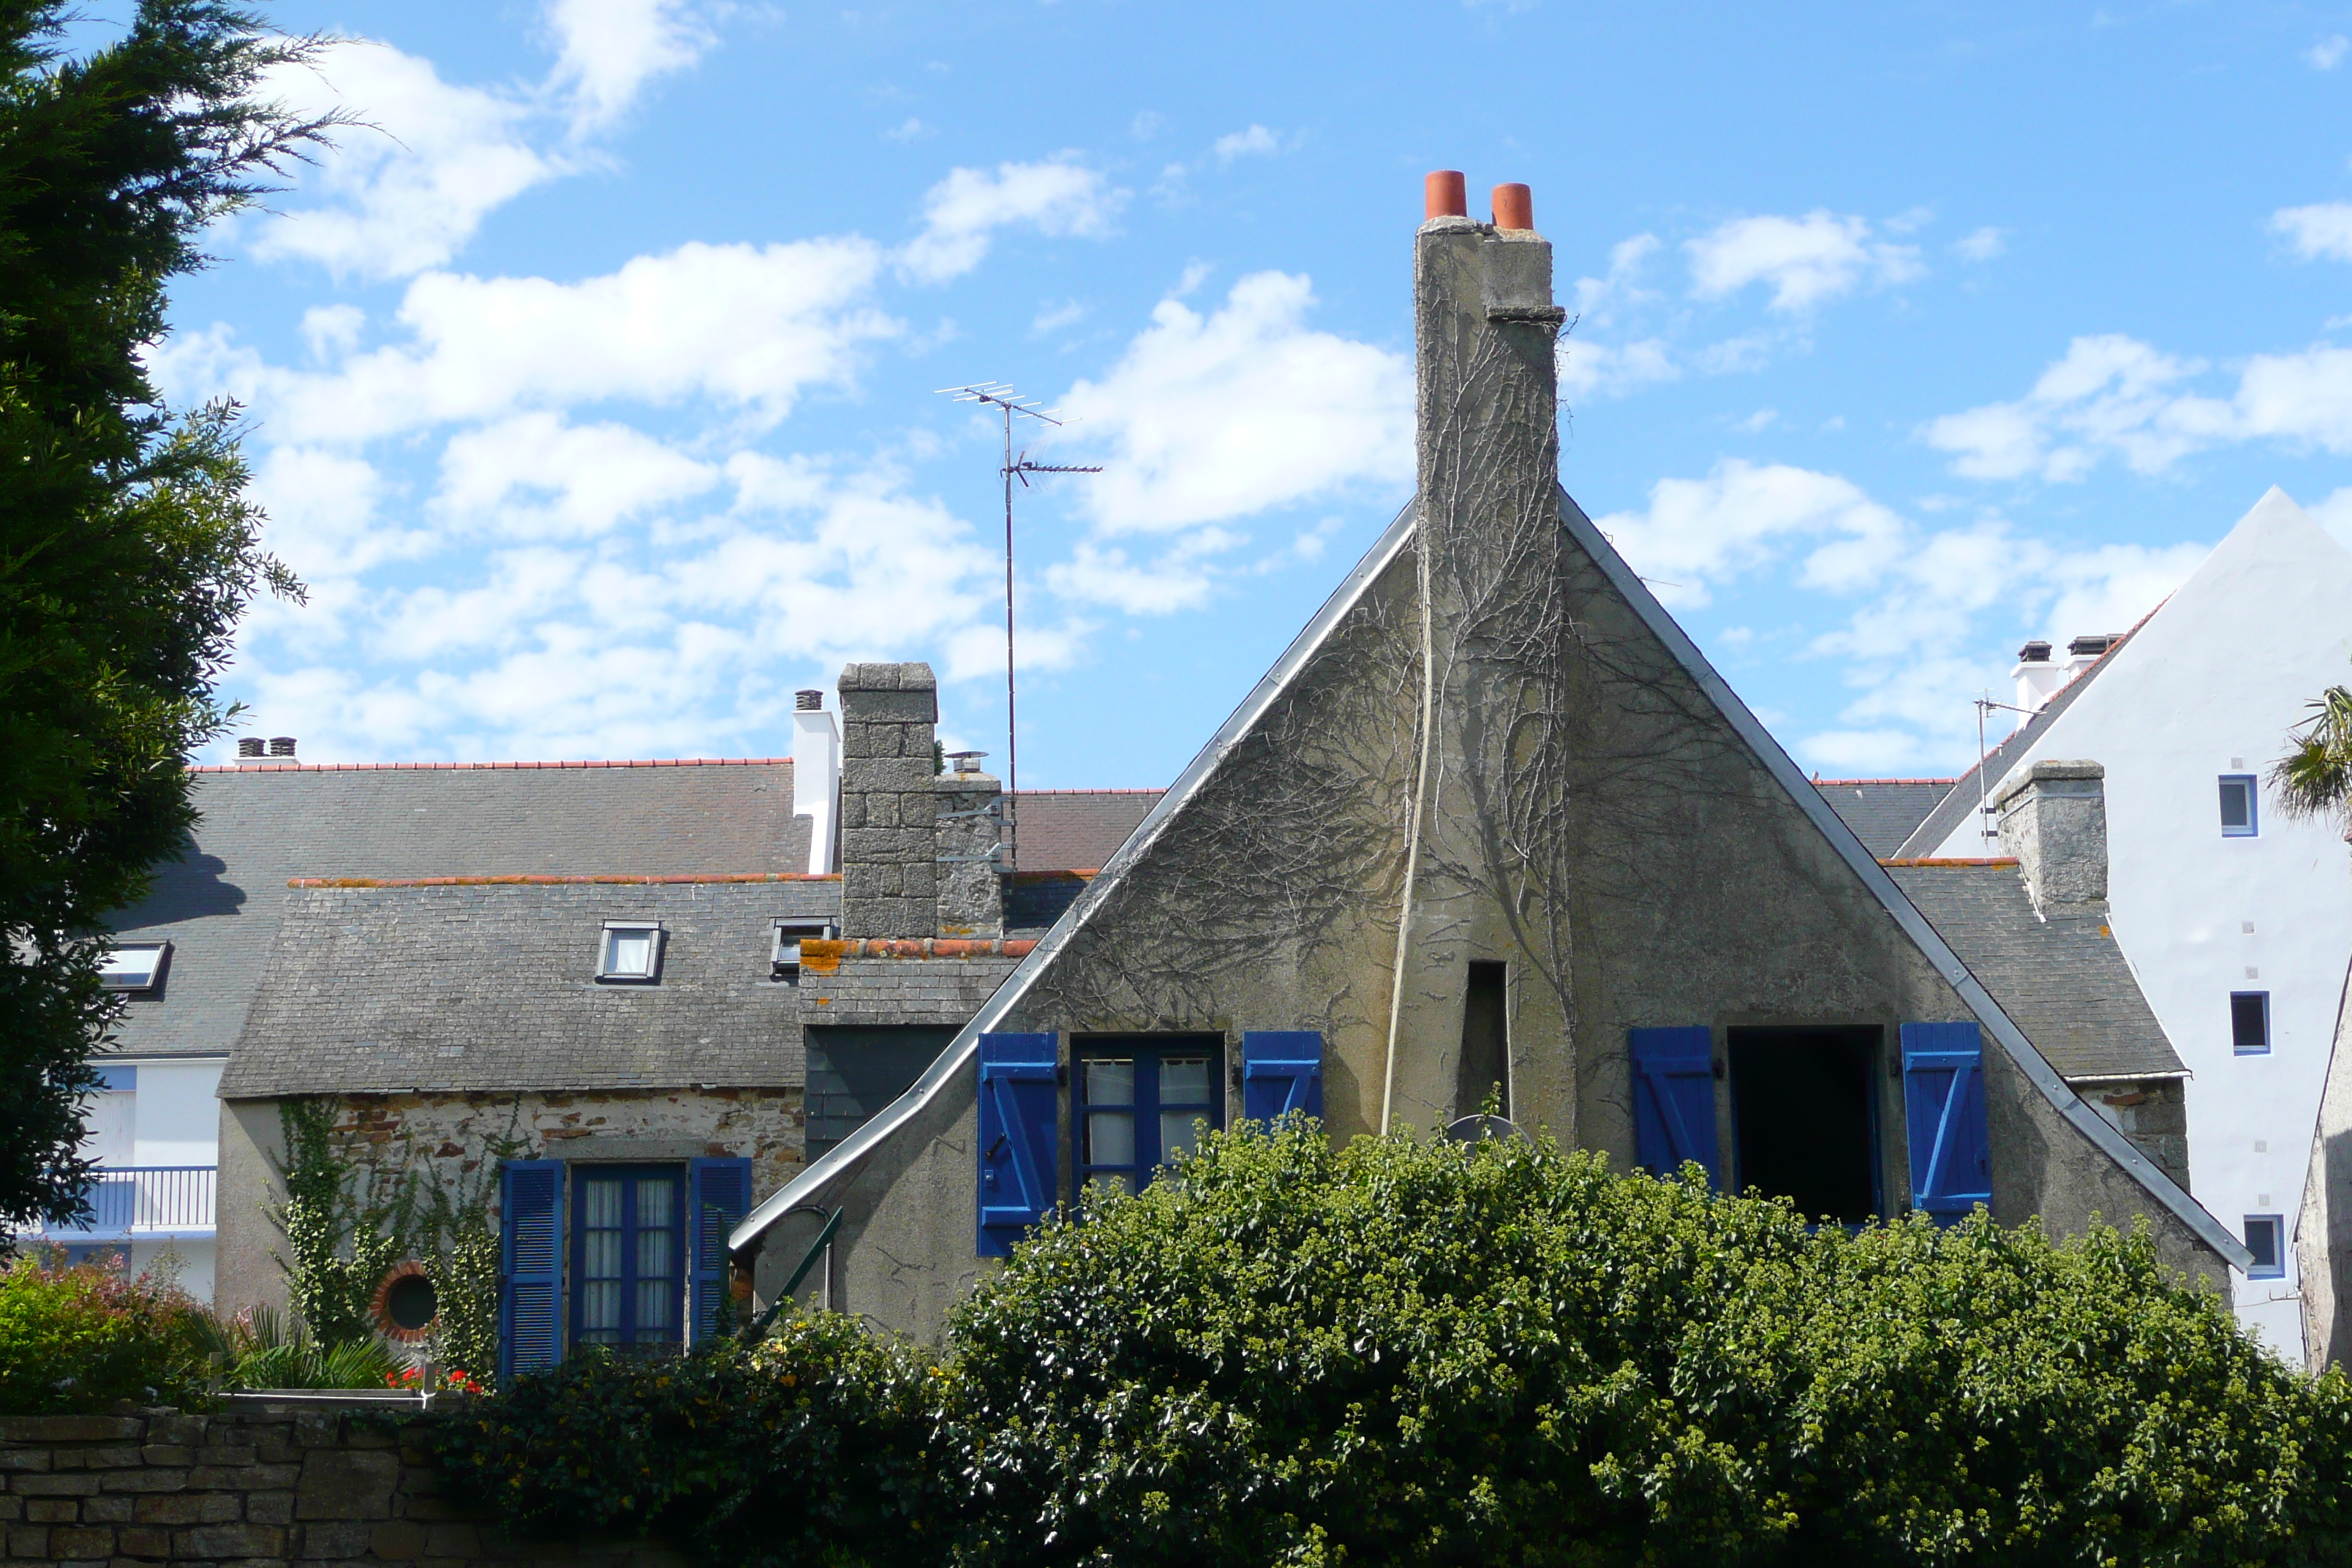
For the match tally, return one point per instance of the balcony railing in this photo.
(129, 1202)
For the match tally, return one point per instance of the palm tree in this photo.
(2315, 778)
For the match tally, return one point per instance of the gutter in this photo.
(2006, 1034)
(838, 1164)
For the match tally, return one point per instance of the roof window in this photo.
(133, 966)
(784, 962)
(631, 954)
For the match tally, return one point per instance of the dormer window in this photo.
(632, 953)
(784, 963)
(133, 966)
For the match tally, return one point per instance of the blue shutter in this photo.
(1944, 1119)
(1282, 1071)
(1020, 1105)
(530, 1267)
(719, 1194)
(1673, 1099)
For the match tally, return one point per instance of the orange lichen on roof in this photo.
(829, 953)
(1948, 860)
(537, 881)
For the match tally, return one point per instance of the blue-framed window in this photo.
(2267, 1240)
(1138, 1104)
(628, 1255)
(2241, 805)
(2250, 1023)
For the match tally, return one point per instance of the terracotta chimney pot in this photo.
(1445, 194)
(1514, 207)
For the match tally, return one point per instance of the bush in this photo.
(261, 1348)
(78, 1338)
(809, 1446)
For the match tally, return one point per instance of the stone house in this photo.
(1492, 827)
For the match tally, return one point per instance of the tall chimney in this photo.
(816, 779)
(971, 855)
(2054, 818)
(889, 877)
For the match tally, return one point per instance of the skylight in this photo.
(133, 966)
(632, 951)
(784, 963)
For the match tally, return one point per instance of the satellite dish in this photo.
(1470, 1129)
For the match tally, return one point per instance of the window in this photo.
(628, 1255)
(2239, 806)
(1804, 1118)
(632, 951)
(2250, 1023)
(1138, 1104)
(784, 963)
(133, 966)
(2265, 1234)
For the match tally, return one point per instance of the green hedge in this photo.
(80, 1338)
(1407, 1352)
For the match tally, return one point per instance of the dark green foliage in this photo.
(810, 1446)
(127, 550)
(80, 1338)
(1405, 1352)
(2315, 778)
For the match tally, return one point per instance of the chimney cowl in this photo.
(2095, 645)
(810, 700)
(966, 762)
(252, 746)
(2035, 652)
(281, 745)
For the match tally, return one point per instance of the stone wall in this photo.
(889, 874)
(264, 1483)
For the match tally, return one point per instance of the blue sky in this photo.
(593, 392)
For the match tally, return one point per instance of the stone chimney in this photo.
(971, 848)
(2054, 818)
(890, 880)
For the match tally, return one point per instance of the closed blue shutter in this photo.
(1673, 1099)
(1282, 1071)
(531, 1283)
(719, 1194)
(1019, 1108)
(1944, 1119)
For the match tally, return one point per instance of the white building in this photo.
(2238, 922)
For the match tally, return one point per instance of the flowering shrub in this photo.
(73, 1338)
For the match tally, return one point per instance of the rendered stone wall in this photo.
(889, 873)
(263, 1482)
(969, 854)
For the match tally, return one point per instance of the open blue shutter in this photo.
(719, 1194)
(1282, 1071)
(1019, 1107)
(530, 1267)
(1673, 1099)
(1944, 1119)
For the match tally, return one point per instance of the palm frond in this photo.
(2315, 778)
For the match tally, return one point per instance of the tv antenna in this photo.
(1985, 705)
(997, 395)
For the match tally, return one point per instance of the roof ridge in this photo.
(1819, 780)
(1951, 860)
(1021, 793)
(267, 767)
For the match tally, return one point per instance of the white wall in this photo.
(178, 1117)
(2209, 686)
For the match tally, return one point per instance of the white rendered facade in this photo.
(2206, 687)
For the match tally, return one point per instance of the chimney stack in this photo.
(2054, 818)
(889, 874)
(971, 850)
(816, 779)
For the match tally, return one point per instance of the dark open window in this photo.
(1140, 1098)
(2238, 806)
(629, 1256)
(854, 1070)
(1804, 1118)
(2250, 1023)
(2262, 1240)
(1485, 1043)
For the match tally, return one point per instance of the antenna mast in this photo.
(1004, 399)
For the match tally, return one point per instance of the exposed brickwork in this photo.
(263, 1484)
(889, 883)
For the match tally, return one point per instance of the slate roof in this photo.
(1882, 812)
(219, 906)
(2062, 979)
(1960, 805)
(1077, 829)
(492, 987)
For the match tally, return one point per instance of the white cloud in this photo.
(747, 327)
(1805, 261)
(1698, 532)
(2321, 231)
(1984, 244)
(908, 130)
(2116, 396)
(1098, 574)
(1059, 196)
(1607, 370)
(406, 190)
(607, 50)
(1052, 318)
(2328, 52)
(1255, 142)
(1245, 409)
(531, 476)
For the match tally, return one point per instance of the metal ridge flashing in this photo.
(842, 1160)
(532, 880)
(1995, 1022)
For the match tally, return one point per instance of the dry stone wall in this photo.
(264, 1484)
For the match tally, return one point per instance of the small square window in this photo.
(133, 966)
(632, 951)
(784, 962)
(2239, 807)
(2250, 1023)
(2265, 1238)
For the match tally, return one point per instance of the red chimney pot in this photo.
(1445, 194)
(1514, 207)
